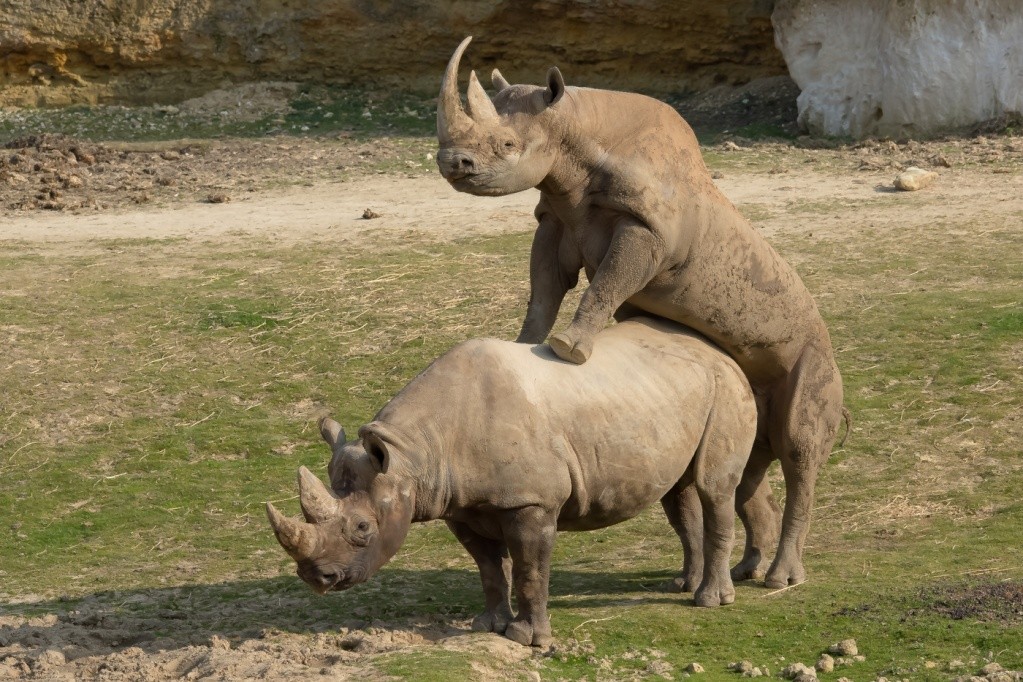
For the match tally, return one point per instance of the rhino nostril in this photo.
(329, 579)
(463, 163)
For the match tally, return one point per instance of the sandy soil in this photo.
(798, 191)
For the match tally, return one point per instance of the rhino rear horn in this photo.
(297, 538)
(452, 121)
(481, 109)
(318, 503)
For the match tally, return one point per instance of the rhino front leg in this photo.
(492, 558)
(529, 533)
(553, 269)
(632, 259)
(682, 507)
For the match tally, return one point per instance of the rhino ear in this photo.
(378, 450)
(555, 86)
(331, 431)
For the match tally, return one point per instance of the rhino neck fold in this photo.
(421, 463)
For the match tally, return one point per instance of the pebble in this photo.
(914, 178)
(694, 668)
(369, 214)
(825, 663)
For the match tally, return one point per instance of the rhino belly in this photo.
(616, 502)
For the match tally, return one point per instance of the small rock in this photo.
(369, 214)
(730, 146)
(170, 155)
(990, 668)
(83, 156)
(825, 663)
(219, 198)
(796, 671)
(805, 677)
(741, 666)
(859, 658)
(941, 160)
(694, 668)
(51, 658)
(914, 178)
(717, 175)
(218, 642)
(843, 679)
(756, 672)
(847, 647)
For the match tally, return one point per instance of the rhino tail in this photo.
(847, 416)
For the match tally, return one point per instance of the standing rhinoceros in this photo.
(508, 444)
(625, 196)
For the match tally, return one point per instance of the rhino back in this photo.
(511, 425)
(721, 276)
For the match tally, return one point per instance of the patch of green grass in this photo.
(153, 397)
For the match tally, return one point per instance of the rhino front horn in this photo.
(452, 120)
(297, 538)
(318, 503)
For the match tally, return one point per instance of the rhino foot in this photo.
(684, 583)
(749, 569)
(715, 595)
(570, 350)
(491, 621)
(781, 575)
(525, 634)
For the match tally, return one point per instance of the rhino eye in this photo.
(509, 144)
(362, 527)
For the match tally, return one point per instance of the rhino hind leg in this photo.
(807, 412)
(760, 515)
(492, 558)
(717, 469)
(682, 507)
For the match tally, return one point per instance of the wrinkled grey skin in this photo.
(626, 198)
(508, 444)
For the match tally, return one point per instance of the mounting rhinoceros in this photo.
(626, 197)
(507, 444)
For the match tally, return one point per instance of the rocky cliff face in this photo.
(57, 52)
(902, 67)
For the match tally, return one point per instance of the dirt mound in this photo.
(95, 643)
(247, 102)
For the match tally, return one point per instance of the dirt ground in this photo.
(58, 194)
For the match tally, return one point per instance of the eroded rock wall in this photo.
(55, 52)
(901, 67)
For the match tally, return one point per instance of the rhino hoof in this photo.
(566, 349)
(714, 597)
(680, 583)
(520, 631)
(490, 622)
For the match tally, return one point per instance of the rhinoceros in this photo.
(625, 197)
(508, 444)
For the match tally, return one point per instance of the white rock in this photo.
(825, 663)
(901, 67)
(794, 671)
(694, 667)
(914, 178)
(847, 647)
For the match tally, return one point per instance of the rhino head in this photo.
(502, 146)
(352, 530)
